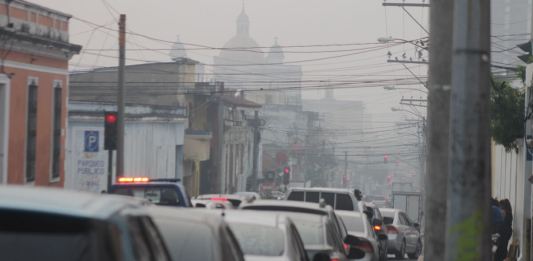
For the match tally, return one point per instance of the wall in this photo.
(150, 150)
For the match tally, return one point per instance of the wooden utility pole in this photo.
(439, 86)
(120, 96)
(468, 215)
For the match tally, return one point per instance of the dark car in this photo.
(59, 225)
(196, 234)
(376, 220)
(337, 246)
(163, 192)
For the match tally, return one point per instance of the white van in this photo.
(338, 198)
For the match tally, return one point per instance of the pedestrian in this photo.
(505, 231)
(497, 215)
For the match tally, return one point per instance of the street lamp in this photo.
(392, 88)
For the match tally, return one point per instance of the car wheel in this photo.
(401, 252)
(418, 251)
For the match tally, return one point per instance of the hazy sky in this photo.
(294, 22)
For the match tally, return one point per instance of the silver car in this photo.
(357, 225)
(266, 236)
(404, 235)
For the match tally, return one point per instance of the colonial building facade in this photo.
(34, 51)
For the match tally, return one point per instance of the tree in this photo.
(507, 114)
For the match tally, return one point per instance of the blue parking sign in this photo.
(91, 141)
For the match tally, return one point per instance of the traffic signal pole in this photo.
(120, 96)
(468, 215)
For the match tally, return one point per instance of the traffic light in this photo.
(110, 130)
(286, 175)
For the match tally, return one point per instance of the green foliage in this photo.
(506, 114)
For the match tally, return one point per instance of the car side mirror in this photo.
(355, 253)
(321, 257)
(351, 240)
(382, 237)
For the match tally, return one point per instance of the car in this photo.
(165, 192)
(380, 201)
(404, 235)
(338, 232)
(60, 225)
(249, 194)
(196, 234)
(234, 199)
(266, 236)
(338, 198)
(319, 236)
(376, 221)
(357, 225)
(211, 204)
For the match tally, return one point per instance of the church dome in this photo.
(275, 54)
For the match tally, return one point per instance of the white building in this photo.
(154, 138)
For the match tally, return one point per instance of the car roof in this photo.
(228, 196)
(269, 219)
(289, 205)
(348, 213)
(63, 202)
(319, 189)
(386, 211)
(210, 217)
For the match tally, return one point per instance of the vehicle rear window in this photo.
(159, 195)
(259, 240)
(388, 220)
(329, 198)
(187, 240)
(353, 223)
(35, 236)
(344, 202)
(296, 196)
(312, 197)
(311, 228)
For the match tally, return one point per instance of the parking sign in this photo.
(91, 141)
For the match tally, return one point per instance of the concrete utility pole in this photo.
(439, 86)
(120, 96)
(256, 123)
(345, 169)
(468, 215)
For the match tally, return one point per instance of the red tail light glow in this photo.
(377, 228)
(346, 247)
(219, 199)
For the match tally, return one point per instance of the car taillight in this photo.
(219, 199)
(346, 247)
(377, 228)
(365, 246)
(133, 179)
(392, 230)
(334, 259)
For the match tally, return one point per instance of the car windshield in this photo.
(187, 240)
(28, 236)
(259, 240)
(353, 223)
(159, 195)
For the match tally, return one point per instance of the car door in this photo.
(410, 236)
(402, 227)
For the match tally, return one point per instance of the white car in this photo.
(404, 234)
(266, 236)
(357, 225)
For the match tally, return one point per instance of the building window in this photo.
(31, 131)
(56, 134)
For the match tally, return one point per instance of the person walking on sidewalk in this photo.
(505, 231)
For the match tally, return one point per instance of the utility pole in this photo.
(439, 86)
(256, 123)
(469, 216)
(120, 96)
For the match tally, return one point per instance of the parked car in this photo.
(164, 192)
(339, 236)
(266, 236)
(60, 225)
(196, 234)
(404, 235)
(249, 194)
(357, 225)
(338, 198)
(376, 221)
(211, 204)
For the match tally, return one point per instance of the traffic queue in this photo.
(142, 219)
